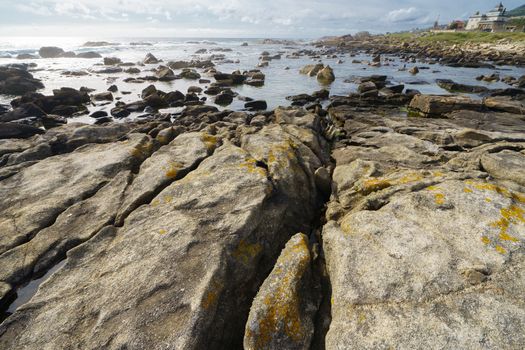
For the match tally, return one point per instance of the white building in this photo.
(492, 21)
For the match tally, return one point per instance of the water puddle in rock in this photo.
(25, 293)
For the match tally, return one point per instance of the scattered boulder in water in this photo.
(311, 69)
(414, 70)
(257, 105)
(103, 96)
(226, 79)
(89, 54)
(112, 61)
(15, 81)
(223, 99)
(165, 74)
(326, 75)
(190, 74)
(452, 86)
(50, 52)
(150, 59)
(99, 114)
(26, 56)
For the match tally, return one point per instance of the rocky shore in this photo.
(463, 54)
(384, 218)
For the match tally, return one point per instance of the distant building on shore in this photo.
(493, 21)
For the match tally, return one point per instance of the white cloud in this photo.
(410, 14)
(34, 8)
(247, 17)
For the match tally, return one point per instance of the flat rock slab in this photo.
(47, 188)
(184, 268)
(445, 263)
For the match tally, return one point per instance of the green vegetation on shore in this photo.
(518, 11)
(460, 37)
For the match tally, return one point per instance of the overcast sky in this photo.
(227, 18)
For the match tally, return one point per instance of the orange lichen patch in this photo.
(282, 307)
(251, 166)
(155, 202)
(439, 198)
(488, 200)
(438, 174)
(245, 251)
(210, 141)
(163, 231)
(374, 184)
(467, 190)
(433, 188)
(485, 240)
(211, 296)
(500, 249)
(172, 169)
(168, 199)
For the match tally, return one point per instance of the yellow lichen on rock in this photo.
(251, 166)
(500, 249)
(172, 169)
(374, 185)
(210, 141)
(511, 215)
(439, 198)
(279, 313)
(142, 150)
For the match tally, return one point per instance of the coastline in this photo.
(206, 218)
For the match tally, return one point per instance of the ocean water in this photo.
(280, 81)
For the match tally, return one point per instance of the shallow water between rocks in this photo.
(280, 81)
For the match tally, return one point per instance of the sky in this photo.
(228, 18)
